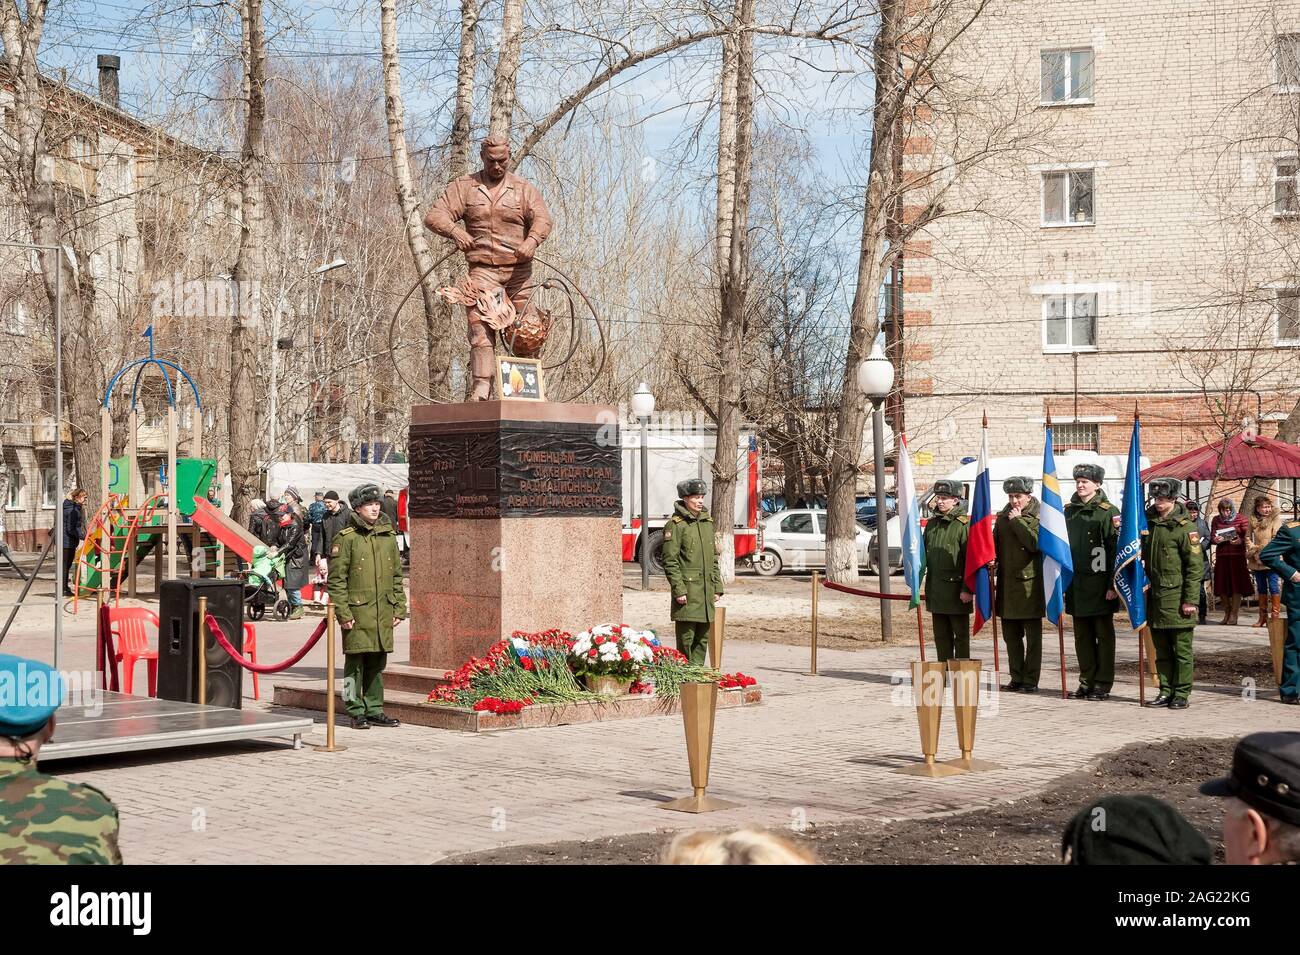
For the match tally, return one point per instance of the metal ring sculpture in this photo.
(564, 284)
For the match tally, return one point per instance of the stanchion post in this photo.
(330, 632)
(1060, 635)
(203, 651)
(815, 582)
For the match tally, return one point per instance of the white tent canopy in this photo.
(309, 478)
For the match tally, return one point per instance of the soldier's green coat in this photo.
(365, 584)
(46, 820)
(945, 560)
(1093, 535)
(691, 564)
(1171, 552)
(1020, 565)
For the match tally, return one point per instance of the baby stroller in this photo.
(262, 586)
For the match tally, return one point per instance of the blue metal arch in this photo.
(142, 364)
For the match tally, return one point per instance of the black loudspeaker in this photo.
(178, 629)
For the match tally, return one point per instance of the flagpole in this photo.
(1060, 634)
(920, 631)
(1142, 666)
(993, 600)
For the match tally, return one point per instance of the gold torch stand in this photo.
(699, 702)
(717, 634)
(965, 704)
(927, 692)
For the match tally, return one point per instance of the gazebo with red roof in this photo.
(1244, 458)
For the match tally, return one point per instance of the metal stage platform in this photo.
(132, 724)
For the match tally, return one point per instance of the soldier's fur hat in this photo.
(691, 486)
(364, 494)
(1018, 485)
(1090, 472)
(1165, 487)
(947, 487)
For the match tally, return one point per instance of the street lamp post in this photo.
(643, 406)
(275, 343)
(875, 379)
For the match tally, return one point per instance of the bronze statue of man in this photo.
(505, 220)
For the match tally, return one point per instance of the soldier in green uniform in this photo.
(1092, 522)
(947, 599)
(1282, 556)
(691, 565)
(1020, 602)
(44, 819)
(365, 586)
(1171, 553)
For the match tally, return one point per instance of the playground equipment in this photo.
(127, 525)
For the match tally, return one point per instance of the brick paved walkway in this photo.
(819, 748)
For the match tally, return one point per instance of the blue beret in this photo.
(30, 692)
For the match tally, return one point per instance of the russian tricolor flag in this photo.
(979, 546)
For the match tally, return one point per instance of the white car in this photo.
(795, 539)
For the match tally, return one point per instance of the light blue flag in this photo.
(1053, 539)
(1130, 575)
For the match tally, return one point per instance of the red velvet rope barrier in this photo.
(865, 593)
(215, 629)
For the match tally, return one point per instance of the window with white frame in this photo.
(1287, 60)
(1068, 197)
(49, 488)
(1286, 196)
(1070, 321)
(14, 496)
(1288, 316)
(1067, 76)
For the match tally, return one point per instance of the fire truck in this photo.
(675, 455)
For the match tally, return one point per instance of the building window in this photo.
(1070, 322)
(1286, 197)
(49, 488)
(1287, 60)
(1067, 76)
(1288, 316)
(1067, 197)
(1078, 436)
(14, 496)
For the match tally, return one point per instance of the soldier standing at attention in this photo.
(1171, 552)
(947, 599)
(1020, 600)
(1282, 556)
(1093, 525)
(44, 819)
(365, 587)
(691, 565)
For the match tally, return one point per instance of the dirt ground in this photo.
(1224, 668)
(1024, 832)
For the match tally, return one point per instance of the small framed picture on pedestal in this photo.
(520, 378)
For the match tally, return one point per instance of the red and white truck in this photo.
(675, 455)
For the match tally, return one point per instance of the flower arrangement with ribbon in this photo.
(612, 650)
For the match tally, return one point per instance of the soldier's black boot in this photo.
(360, 723)
(1161, 700)
(1179, 703)
(1082, 693)
(382, 720)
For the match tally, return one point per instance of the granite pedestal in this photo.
(515, 515)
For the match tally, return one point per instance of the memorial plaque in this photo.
(516, 469)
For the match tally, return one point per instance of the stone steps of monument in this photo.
(403, 676)
(406, 705)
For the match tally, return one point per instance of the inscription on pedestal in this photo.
(521, 469)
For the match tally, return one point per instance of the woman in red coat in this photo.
(1229, 532)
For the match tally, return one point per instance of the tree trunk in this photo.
(250, 267)
(462, 116)
(864, 322)
(735, 141)
(504, 84)
(436, 311)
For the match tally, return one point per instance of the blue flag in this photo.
(1130, 575)
(1053, 539)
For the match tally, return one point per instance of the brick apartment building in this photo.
(1145, 249)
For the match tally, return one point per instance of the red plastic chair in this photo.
(250, 651)
(128, 624)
